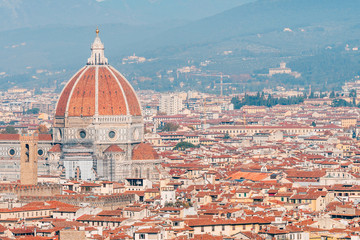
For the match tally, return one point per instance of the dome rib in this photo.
(64, 96)
(122, 91)
(132, 100)
(111, 98)
(82, 99)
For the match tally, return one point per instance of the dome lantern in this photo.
(97, 52)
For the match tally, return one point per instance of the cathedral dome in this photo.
(144, 151)
(97, 90)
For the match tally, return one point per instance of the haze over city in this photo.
(168, 119)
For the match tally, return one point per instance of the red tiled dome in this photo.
(144, 151)
(97, 89)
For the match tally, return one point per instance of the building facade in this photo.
(171, 104)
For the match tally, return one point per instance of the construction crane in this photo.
(221, 75)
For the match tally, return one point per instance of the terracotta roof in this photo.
(238, 221)
(45, 137)
(144, 151)
(9, 137)
(16, 137)
(100, 218)
(148, 230)
(253, 176)
(305, 174)
(55, 148)
(114, 148)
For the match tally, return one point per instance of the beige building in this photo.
(348, 122)
(252, 129)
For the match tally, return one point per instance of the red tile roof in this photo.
(114, 148)
(144, 151)
(9, 137)
(55, 148)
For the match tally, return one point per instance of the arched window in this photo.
(27, 149)
(148, 173)
(136, 173)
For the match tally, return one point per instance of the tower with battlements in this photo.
(28, 159)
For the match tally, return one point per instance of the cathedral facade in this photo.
(98, 127)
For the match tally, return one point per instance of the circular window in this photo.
(12, 152)
(82, 134)
(111, 134)
(40, 152)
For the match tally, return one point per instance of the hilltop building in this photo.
(283, 70)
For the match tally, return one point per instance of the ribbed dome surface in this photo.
(97, 90)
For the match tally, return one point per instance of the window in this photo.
(202, 229)
(40, 152)
(111, 134)
(142, 236)
(27, 150)
(223, 227)
(213, 228)
(82, 134)
(12, 152)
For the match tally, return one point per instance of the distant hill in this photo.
(35, 13)
(264, 17)
(258, 34)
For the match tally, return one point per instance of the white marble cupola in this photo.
(97, 52)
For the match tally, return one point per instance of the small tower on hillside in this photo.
(28, 159)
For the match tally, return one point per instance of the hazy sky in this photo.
(32, 13)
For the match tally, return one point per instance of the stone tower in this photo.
(28, 159)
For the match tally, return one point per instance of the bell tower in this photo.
(28, 159)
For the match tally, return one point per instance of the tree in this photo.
(262, 100)
(226, 136)
(312, 95)
(10, 130)
(340, 103)
(313, 124)
(332, 94)
(42, 129)
(33, 111)
(184, 145)
(170, 127)
(352, 93)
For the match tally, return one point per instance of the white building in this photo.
(171, 104)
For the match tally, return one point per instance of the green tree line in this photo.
(261, 100)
